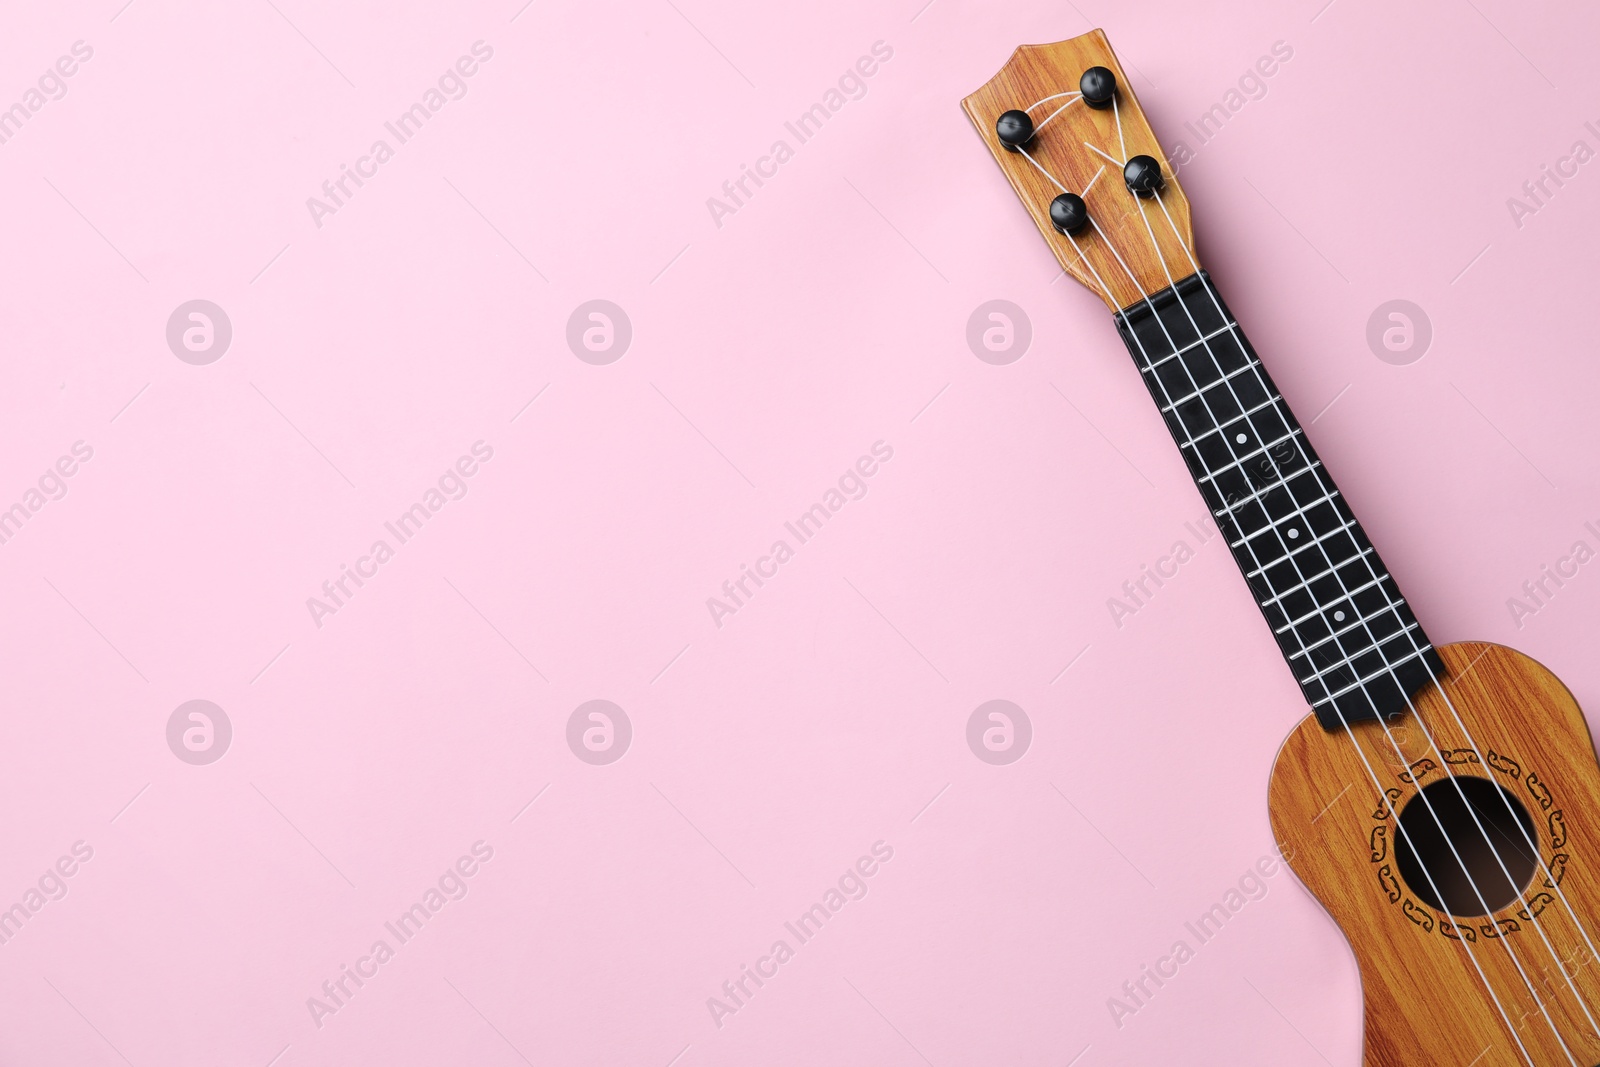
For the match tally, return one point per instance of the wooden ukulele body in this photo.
(1425, 1000)
(1456, 975)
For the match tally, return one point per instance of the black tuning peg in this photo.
(1015, 129)
(1068, 212)
(1143, 176)
(1099, 86)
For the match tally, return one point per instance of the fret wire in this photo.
(1298, 513)
(1389, 605)
(1315, 577)
(1275, 401)
(1323, 678)
(1314, 541)
(1374, 643)
(1153, 364)
(1231, 374)
(1347, 596)
(1279, 484)
(1359, 589)
(1388, 668)
(1406, 629)
(1361, 620)
(1197, 438)
(1274, 397)
(1180, 303)
(1252, 455)
(1132, 336)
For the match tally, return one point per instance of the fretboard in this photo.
(1348, 635)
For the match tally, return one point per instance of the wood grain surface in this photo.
(1425, 1000)
(1138, 249)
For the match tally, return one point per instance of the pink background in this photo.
(767, 355)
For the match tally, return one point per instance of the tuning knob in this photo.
(1099, 85)
(1068, 212)
(1143, 175)
(1014, 129)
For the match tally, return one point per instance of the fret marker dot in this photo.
(1293, 534)
(1241, 439)
(1338, 616)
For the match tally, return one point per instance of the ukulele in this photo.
(1441, 803)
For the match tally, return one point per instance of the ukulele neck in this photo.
(1349, 637)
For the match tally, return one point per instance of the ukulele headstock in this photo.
(1080, 147)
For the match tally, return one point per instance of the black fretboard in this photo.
(1348, 635)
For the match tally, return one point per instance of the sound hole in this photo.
(1426, 837)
